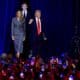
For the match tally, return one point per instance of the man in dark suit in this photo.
(37, 35)
(27, 15)
(25, 12)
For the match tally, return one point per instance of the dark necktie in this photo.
(24, 14)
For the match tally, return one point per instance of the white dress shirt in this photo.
(24, 13)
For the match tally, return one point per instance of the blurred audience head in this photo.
(4, 56)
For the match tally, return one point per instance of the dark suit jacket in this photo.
(33, 34)
(27, 18)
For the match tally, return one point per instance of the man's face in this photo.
(24, 6)
(38, 13)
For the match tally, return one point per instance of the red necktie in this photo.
(38, 27)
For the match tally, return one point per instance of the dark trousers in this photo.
(38, 46)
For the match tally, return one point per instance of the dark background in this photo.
(61, 17)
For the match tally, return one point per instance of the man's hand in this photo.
(45, 38)
(24, 39)
(30, 21)
(13, 38)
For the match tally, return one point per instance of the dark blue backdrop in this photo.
(7, 8)
(59, 18)
(57, 13)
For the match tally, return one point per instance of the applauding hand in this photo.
(30, 21)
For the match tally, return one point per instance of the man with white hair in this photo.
(38, 36)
